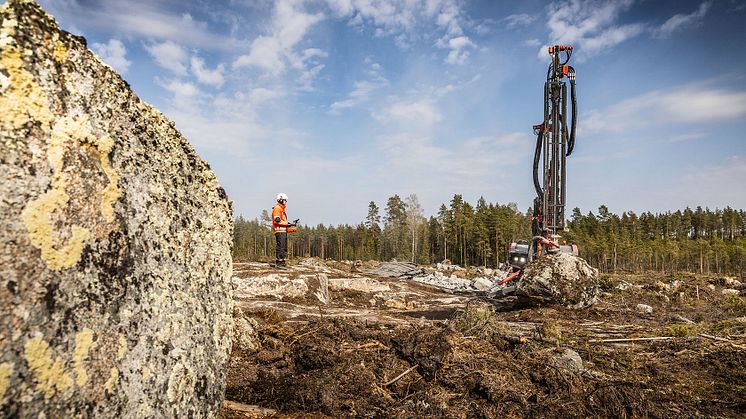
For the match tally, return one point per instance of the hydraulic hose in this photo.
(537, 156)
(574, 104)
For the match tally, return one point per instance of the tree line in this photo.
(700, 240)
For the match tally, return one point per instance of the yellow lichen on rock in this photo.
(5, 370)
(122, 347)
(36, 215)
(83, 343)
(113, 378)
(22, 99)
(60, 52)
(50, 374)
(146, 373)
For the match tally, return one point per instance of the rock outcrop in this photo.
(115, 267)
(561, 279)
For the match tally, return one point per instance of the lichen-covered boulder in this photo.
(115, 293)
(561, 279)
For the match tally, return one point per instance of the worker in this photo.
(281, 227)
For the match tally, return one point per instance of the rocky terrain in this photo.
(652, 345)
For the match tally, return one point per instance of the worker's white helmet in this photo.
(282, 197)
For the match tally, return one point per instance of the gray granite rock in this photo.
(115, 266)
(561, 279)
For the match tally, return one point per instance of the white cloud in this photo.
(686, 104)
(687, 137)
(589, 24)
(140, 18)
(458, 46)
(408, 21)
(169, 55)
(679, 21)
(262, 94)
(181, 90)
(265, 53)
(522, 19)
(271, 52)
(476, 162)
(362, 89)
(422, 112)
(113, 53)
(205, 75)
(533, 42)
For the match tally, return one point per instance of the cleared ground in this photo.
(380, 347)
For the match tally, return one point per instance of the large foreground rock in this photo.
(561, 279)
(115, 263)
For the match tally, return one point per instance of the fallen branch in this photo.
(705, 335)
(631, 339)
(719, 339)
(398, 377)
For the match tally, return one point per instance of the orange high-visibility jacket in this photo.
(279, 219)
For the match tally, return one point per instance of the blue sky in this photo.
(341, 102)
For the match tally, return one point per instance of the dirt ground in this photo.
(395, 348)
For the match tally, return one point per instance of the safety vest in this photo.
(282, 226)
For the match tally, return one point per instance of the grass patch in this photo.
(681, 330)
(733, 301)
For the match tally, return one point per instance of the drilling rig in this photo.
(555, 141)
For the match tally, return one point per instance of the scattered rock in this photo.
(660, 286)
(245, 334)
(711, 287)
(395, 304)
(451, 282)
(567, 359)
(729, 291)
(644, 309)
(236, 409)
(561, 279)
(448, 267)
(482, 284)
(727, 281)
(396, 270)
(115, 247)
(624, 285)
(676, 318)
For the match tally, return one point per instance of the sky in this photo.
(341, 102)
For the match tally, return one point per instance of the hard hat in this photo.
(282, 197)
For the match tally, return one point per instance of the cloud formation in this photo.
(205, 75)
(113, 53)
(683, 104)
(589, 24)
(169, 55)
(680, 21)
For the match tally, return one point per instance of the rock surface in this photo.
(115, 262)
(561, 279)
(396, 270)
(644, 309)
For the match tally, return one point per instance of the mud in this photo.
(465, 356)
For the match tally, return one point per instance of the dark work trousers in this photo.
(282, 246)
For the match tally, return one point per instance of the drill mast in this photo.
(554, 143)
